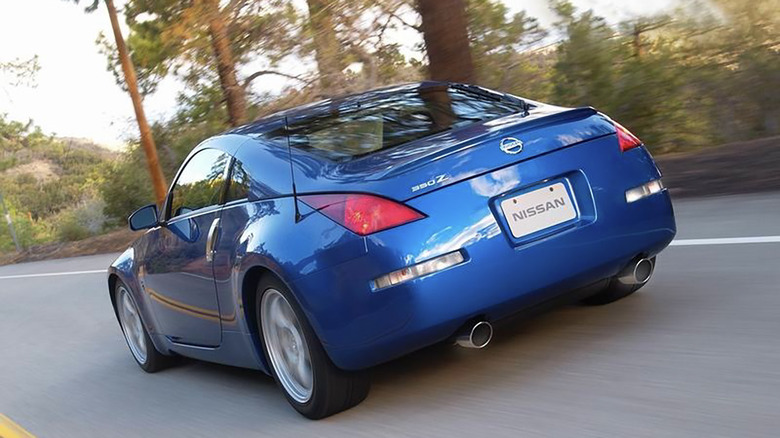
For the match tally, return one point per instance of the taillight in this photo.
(360, 213)
(626, 139)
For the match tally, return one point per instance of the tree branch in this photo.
(259, 73)
(402, 21)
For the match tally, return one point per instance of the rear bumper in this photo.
(501, 275)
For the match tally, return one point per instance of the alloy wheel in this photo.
(287, 347)
(132, 327)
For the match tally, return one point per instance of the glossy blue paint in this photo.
(205, 309)
(458, 155)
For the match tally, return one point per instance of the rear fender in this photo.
(312, 245)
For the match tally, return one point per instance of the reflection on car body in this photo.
(323, 240)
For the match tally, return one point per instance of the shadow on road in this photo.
(523, 350)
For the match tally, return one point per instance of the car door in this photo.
(253, 198)
(178, 271)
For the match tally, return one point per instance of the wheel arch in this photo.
(113, 278)
(249, 284)
(119, 272)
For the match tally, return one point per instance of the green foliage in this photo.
(15, 136)
(81, 221)
(41, 176)
(504, 49)
(696, 80)
(585, 67)
(28, 231)
(27, 156)
(171, 37)
(736, 55)
(126, 186)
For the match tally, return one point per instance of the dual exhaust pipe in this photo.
(478, 334)
(637, 272)
(475, 335)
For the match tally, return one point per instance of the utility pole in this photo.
(10, 223)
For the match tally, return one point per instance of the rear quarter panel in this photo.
(264, 235)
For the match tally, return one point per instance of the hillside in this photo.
(43, 179)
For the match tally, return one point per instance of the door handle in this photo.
(211, 240)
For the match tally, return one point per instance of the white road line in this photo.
(676, 242)
(52, 274)
(726, 241)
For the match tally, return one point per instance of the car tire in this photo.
(136, 335)
(288, 343)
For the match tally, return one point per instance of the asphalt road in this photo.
(695, 353)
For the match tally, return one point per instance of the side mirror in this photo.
(143, 218)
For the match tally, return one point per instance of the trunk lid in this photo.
(418, 167)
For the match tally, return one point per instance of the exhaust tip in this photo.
(642, 271)
(477, 335)
(639, 272)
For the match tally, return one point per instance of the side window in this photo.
(200, 183)
(261, 171)
(239, 183)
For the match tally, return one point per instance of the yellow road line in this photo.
(9, 429)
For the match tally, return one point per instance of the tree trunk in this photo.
(226, 66)
(326, 46)
(439, 106)
(639, 49)
(445, 32)
(147, 141)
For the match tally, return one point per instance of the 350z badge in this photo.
(438, 179)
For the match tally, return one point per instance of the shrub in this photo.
(125, 188)
(84, 220)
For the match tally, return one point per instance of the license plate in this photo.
(539, 209)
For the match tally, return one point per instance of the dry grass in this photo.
(41, 170)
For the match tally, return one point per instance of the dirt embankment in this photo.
(114, 241)
(744, 167)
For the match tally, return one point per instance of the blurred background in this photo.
(100, 101)
(697, 81)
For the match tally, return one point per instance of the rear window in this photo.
(366, 126)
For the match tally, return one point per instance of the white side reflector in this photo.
(421, 269)
(643, 191)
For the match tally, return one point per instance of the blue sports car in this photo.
(320, 241)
